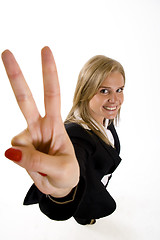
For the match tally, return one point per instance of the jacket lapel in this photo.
(113, 152)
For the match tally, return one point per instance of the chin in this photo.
(112, 116)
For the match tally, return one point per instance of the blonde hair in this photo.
(93, 73)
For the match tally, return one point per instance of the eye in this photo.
(119, 90)
(104, 91)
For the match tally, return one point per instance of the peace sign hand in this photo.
(44, 145)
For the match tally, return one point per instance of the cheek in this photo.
(121, 99)
(94, 103)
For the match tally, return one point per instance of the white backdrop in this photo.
(126, 30)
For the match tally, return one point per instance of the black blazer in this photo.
(90, 199)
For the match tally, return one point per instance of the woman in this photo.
(70, 164)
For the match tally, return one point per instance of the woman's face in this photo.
(109, 98)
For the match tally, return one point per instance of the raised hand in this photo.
(44, 148)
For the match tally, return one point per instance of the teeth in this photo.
(109, 108)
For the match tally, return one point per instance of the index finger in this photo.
(20, 88)
(51, 84)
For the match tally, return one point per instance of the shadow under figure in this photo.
(81, 192)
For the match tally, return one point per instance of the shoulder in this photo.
(74, 128)
(79, 134)
(83, 142)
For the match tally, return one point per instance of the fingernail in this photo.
(13, 154)
(43, 174)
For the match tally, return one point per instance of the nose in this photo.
(113, 98)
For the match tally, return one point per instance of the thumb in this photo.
(27, 157)
(61, 170)
(15, 155)
(33, 160)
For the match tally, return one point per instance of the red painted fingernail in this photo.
(43, 174)
(13, 154)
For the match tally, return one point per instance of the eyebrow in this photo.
(110, 87)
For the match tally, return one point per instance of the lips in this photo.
(110, 108)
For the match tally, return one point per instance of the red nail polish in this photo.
(43, 174)
(13, 154)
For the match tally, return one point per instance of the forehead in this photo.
(114, 79)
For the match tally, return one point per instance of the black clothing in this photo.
(90, 199)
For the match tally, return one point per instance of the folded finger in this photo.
(22, 139)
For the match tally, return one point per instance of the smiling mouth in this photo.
(110, 108)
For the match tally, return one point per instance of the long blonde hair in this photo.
(93, 73)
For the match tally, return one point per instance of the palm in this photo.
(45, 139)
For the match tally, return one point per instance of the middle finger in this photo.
(51, 84)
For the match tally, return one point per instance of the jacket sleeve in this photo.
(66, 207)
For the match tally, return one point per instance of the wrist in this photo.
(64, 199)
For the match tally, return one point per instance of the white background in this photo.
(126, 30)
